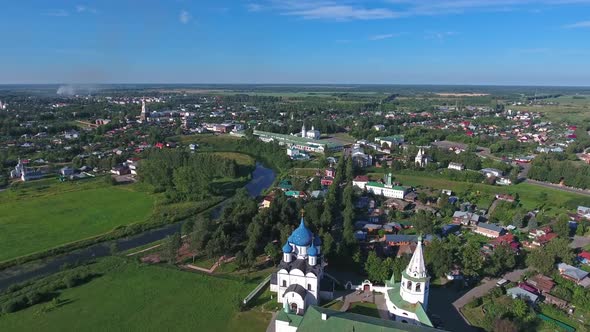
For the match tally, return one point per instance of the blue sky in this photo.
(516, 42)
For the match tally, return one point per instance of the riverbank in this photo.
(261, 179)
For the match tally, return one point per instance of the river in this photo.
(262, 178)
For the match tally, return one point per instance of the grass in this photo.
(240, 158)
(334, 305)
(46, 214)
(531, 196)
(135, 297)
(367, 309)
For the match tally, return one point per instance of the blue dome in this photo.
(287, 249)
(301, 236)
(312, 251)
(317, 241)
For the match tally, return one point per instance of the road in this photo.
(485, 287)
(558, 187)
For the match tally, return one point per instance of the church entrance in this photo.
(294, 307)
(367, 288)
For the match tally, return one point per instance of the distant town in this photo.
(296, 208)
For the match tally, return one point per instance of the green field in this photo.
(531, 196)
(45, 214)
(566, 109)
(135, 297)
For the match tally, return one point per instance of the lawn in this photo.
(135, 297)
(531, 196)
(46, 214)
(367, 309)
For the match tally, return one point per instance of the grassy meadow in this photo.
(136, 297)
(531, 196)
(44, 214)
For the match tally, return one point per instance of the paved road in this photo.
(558, 187)
(485, 287)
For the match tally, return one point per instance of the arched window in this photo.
(418, 288)
(308, 287)
(409, 285)
(284, 283)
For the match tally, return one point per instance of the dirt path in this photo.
(221, 260)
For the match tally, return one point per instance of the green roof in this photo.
(381, 185)
(396, 298)
(345, 321)
(293, 319)
(298, 140)
(393, 138)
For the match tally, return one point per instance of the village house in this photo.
(553, 300)
(542, 283)
(517, 292)
(456, 166)
(466, 218)
(488, 230)
(505, 198)
(572, 273)
(396, 203)
(584, 257)
(489, 172)
(584, 212)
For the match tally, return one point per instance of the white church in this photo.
(299, 280)
(313, 134)
(421, 158)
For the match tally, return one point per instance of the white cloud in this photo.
(184, 17)
(582, 24)
(57, 13)
(383, 36)
(346, 10)
(85, 9)
(254, 7)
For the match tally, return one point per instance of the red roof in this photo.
(507, 238)
(361, 178)
(546, 238)
(585, 255)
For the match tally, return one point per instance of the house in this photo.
(465, 218)
(584, 257)
(285, 185)
(542, 240)
(584, 211)
(503, 181)
(66, 171)
(379, 127)
(390, 141)
(456, 166)
(574, 274)
(327, 181)
(489, 172)
(505, 197)
(120, 170)
(267, 201)
(488, 230)
(550, 299)
(517, 292)
(396, 203)
(360, 181)
(450, 228)
(295, 194)
(543, 283)
(71, 134)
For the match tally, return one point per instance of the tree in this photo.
(271, 251)
(171, 246)
(562, 227)
(541, 260)
(533, 223)
(472, 259)
(504, 325)
(517, 220)
(519, 308)
(438, 258)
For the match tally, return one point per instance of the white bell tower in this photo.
(415, 283)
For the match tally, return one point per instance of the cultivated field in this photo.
(134, 297)
(45, 214)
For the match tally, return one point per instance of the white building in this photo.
(407, 300)
(456, 166)
(297, 283)
(386, 189)
(313, 134)
(489, 172)
(421, 159)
